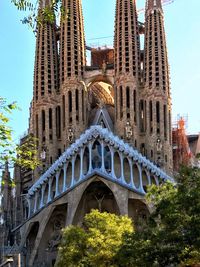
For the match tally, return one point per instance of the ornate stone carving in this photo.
(109, 139)
(70, 136)
(56, 236)
(158, 145)
(128, 131)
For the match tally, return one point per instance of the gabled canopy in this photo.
(97, 133)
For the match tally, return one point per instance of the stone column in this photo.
(42, 196)
(122, 168)
(29, 206)
(131, 168)
(35, 202)
(65, 177)
(141, 183)
(90, 157)
(112, 163)
(81, 170)
(57, 184)
(49, 199)
(102, 157)
(73, 163)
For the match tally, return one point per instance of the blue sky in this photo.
(182, 24)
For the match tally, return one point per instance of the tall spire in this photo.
(46, 57)
(126, 40)
(156, 70)
(157, 88)
(72, 42)
(127, 68)
(72, 63)
(46, 83)
(152, 4)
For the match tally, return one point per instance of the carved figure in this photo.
(158, 145)
(128, 130)
(56, 236)
(70, 135)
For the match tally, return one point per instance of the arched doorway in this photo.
(51, 237)
(96, 196)
(138, 212)
(30, 240)
(100, 95)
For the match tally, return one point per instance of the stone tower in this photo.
(127, 68)
(46, 87)
(155, 101)
(72, 63)
(57, 108)
(142, 90)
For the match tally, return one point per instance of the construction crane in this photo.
(164, 3)
(141, 24)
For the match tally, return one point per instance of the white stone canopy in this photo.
(109, 149)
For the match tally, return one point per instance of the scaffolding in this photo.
(181, 149)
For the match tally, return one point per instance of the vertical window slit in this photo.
(37, 129)
(70, 105)
(151, 116)
(77, 104)
(58, 122)
(43, 120)
(50, 118)
(83, 105)
(142, 115)
(70, 101)
(77, 100)
(63, 111)
(134, 103)
(158, 116)
(121, 102)
(128, 102)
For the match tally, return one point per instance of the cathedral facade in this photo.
(103, 129)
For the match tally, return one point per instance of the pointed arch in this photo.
(97, 195)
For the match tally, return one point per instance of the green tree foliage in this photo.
(26, 152)
(32, 17)
(6, 144)
(171, 236)
(96, 244)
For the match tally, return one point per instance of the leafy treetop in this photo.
(24, 154)
(97, 243)
(46, 13)
(171, 236)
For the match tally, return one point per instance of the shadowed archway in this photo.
(96, 196)
(51, 237)
(138, 212)
(30, 241)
